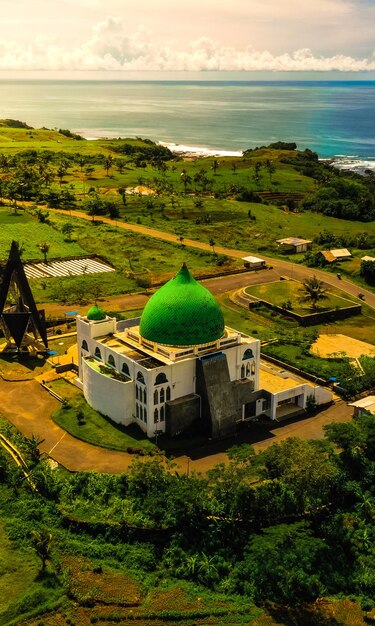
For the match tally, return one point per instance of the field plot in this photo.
(328, 346)
(291, 293)
(29, 233)
(73, 267)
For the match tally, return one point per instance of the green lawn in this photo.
(284, 291)
(29, 233)
(95, 428)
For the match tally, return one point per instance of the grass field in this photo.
(284, 291)
(29, 233)
(94, 428)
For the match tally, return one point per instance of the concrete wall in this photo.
(107, 395)
(181, 413)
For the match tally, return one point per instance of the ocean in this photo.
(335, 119)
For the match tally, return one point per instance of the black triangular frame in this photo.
(14, 271)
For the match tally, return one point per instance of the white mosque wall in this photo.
(111, 397)
(298, 394)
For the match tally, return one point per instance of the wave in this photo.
(354, 163)
(199, 151)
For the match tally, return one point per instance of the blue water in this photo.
(329, 117)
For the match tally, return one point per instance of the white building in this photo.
(176, 365)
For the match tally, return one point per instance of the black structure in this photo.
(22, 324)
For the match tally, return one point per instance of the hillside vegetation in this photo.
(276, 530)
(246, 202)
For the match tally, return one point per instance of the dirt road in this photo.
(226, 283)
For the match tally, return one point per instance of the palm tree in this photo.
(212, 244)
(108, 164)
(314, 291)
(122, 192)
(41, 541)
(44, 248)
(186, 180)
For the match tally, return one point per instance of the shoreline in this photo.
(349, 162)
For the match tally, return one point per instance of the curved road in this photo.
(281, 267)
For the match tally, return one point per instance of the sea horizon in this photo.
(331, 117)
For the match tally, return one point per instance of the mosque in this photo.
(178, 367)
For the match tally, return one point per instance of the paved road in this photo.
(29, 407)
(281, 267)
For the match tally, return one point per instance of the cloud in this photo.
(110, 48)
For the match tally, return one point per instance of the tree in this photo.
(215, 165)
(122, 192)
(212, 244)
(314, 291)
(186, 179)
(368, 271)
(41, 542)
(271, 169)
(108, 164)
(256, 175)
(44, 248)
(67, 230)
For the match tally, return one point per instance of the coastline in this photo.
(349, 162)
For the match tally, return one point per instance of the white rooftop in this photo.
(365, 403)
(293, 241)
(253, 259)
(368, 258)
(340, 252)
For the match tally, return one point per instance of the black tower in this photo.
(22, 324)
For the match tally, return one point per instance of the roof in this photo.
(96, 313)
(272, 382)
(293, 241)
(328, 256)
(367, 403)
(182, 313)
(340, 252)
(253, 259)
(368, 258)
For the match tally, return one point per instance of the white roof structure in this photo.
(368, 258)
(293, 241)
(253, 259)
(340, 252)
(367, 403)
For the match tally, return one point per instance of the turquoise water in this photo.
(329, 117)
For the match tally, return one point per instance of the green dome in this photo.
(96, 313)
(182, 313)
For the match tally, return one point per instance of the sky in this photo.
(120, 36)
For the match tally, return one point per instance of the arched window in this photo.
(97, 353)
(162, 413)
(156, 416)
(145, 396)
(140, 378)
(145, 414)
(141, 412)
(137, 410)
(125, 369)
(242, 371)
(160, 379)
(248, 354)
(253, 369)
(136, 392)
(248, 369)
(84, 345)
(168, 394)
(156, 397)
(111, 360)
(162, 395)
